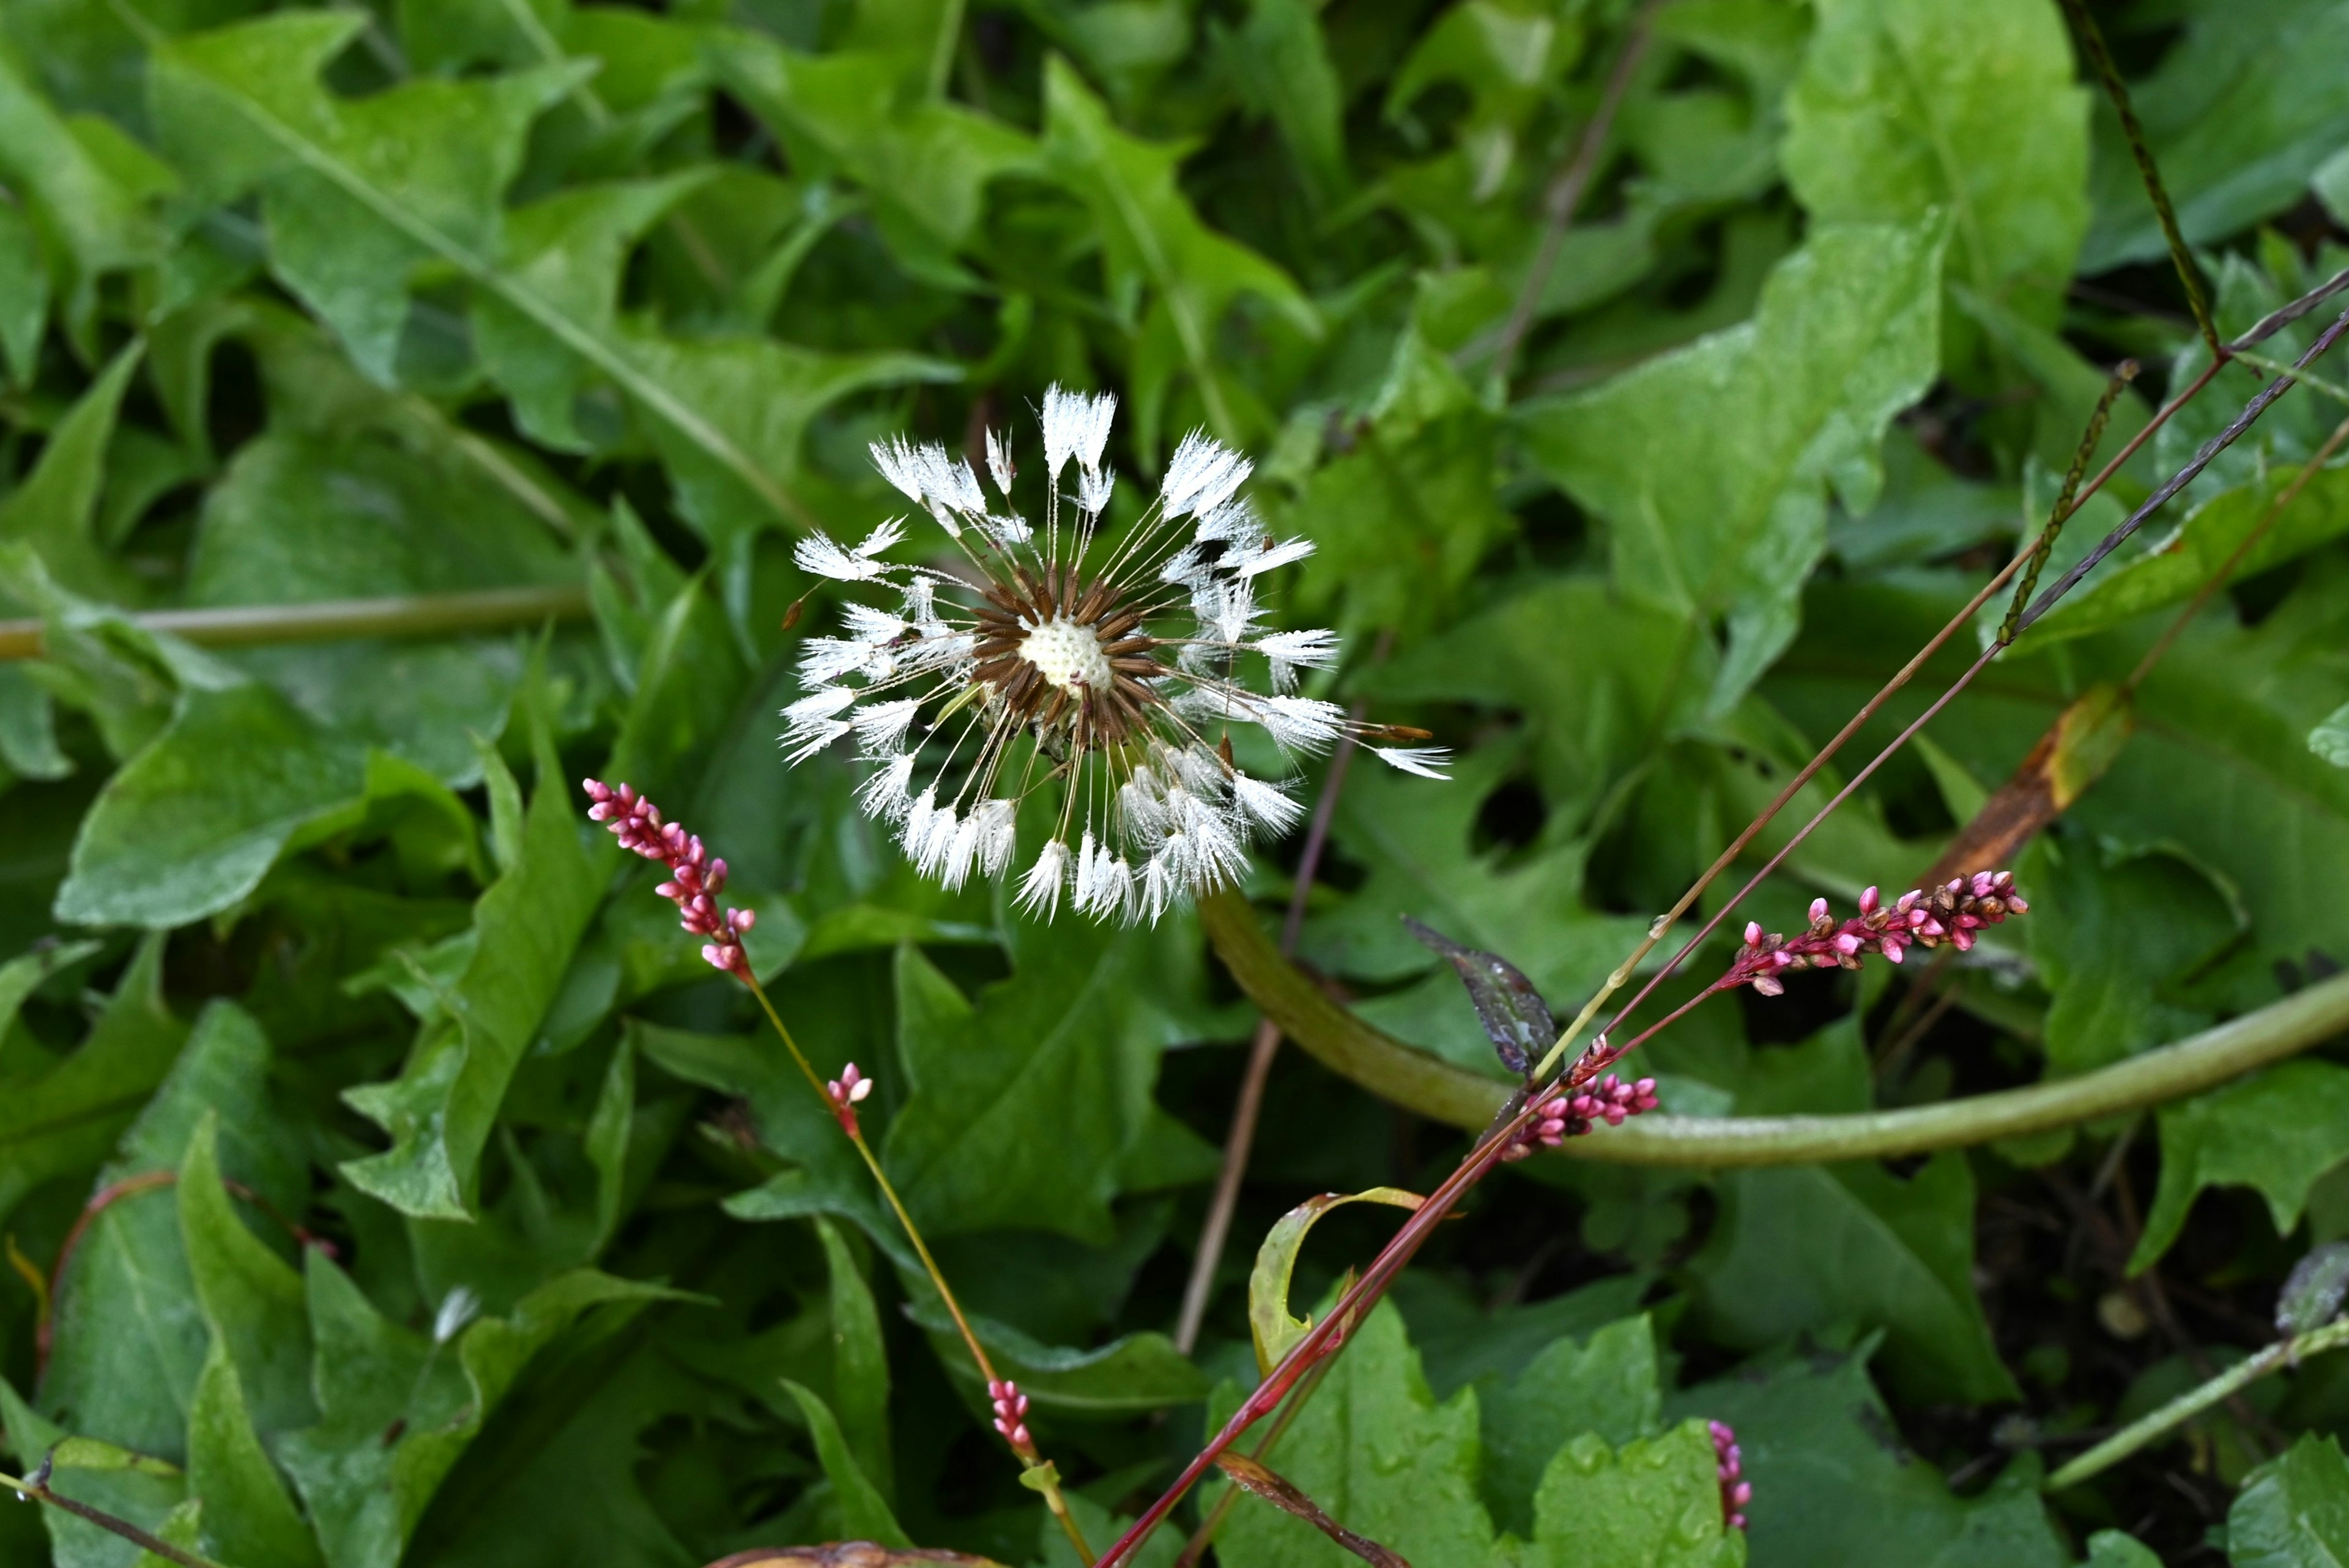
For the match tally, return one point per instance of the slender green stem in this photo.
(2100, 58)
(400, 615)
(1434, 1087)
(1037, 1468)
(107, 1521)
(2194, 1402)
(2313, 382)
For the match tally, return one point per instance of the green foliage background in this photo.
(300, 306)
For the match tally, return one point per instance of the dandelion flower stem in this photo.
(1030, 1457)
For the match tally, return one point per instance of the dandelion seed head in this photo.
(1066, 672)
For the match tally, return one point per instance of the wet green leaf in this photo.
(2277, 1132)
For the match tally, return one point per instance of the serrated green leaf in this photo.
(2240, 113)
(248, 1517)
(1972, 108)
(55, 509)
(252, 1298)
(1654, 1502)
(24, 295)
(1605, 1388)
(1807, 1247)
(1833, 1482)
(864, 1514)
(130, 1335)
(399, 1410)
(1846, 334)
(2277, 1133)
(68, 1120)
(1023, 1104)
(1154, 239)
(441, 1110)
(859, 1363)
(2293, 1511)
(2113, 977)
(193, 822)
(1374, 1450)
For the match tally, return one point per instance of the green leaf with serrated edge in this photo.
(2241, 109)
(68, 1120)
(130, 1338)
(193, 822)
(689, 682)
(249, 1519)
(24, 295)
(1654, 1502)
(398, 1411)
(2113, 977)
(1590, 670)
(440, 1109)
(136, 1487)
(353, 205)
(924, 160)
(1910, 106)
(1400, 521)
(1833, 1482)
(1793, 402)
(2277, 1133)
(827, 1177)
(104, 222)
(251, 1297)
(1128, 1376)
(244, 105)
(1377, 1453)
(2206, 541)
(610, 1127)
(1275, 1331)
(859, 1363)
(1153, 238)
(1806, 1247)
(1461, 1341)
(2293, 1511)
(1605, 1386)
(2111, 1549)
(55, 509)
(568, 249)
(864, 1514)
(1023, 1104)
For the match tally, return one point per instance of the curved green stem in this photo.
(2194, 1402)
(1434, 1087)
(401, 615)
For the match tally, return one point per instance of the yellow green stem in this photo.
(1029, 1457)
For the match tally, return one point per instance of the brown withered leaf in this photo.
(2076, 751)
(1280, 1492)
(848, 1554)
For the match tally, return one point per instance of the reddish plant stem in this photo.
(1216, 1232)
(1487, 1153)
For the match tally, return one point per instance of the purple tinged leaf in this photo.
(1516, 1018)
